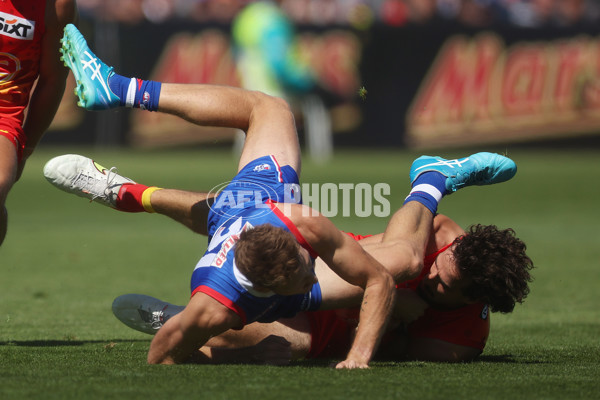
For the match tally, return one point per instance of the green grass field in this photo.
(65, 260)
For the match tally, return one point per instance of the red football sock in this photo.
(130, 197)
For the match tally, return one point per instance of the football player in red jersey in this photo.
(30, 32)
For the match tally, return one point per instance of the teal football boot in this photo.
(91, 74)
(477, 169)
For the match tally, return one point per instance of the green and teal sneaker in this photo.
(91, 74)
(477, 169)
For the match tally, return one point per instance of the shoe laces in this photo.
(157, 319)
(96, 187)
(111, 174)
(153, 317)
(476, 177)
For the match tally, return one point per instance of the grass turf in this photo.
(64, 261)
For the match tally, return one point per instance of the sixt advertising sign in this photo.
(16, 27)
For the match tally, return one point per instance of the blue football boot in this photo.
(477, 169)
(91, 74)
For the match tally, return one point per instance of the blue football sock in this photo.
(119, 86)
(428, 189)
(135, 93)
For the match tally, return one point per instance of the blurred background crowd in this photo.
(359, 13)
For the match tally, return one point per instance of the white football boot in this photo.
(143, 313)
(84, 177)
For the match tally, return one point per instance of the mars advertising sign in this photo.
(479, 90)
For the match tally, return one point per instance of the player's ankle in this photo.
(119, 85)
(131, 198)
(428, 189)
(135, 93)
(146, 198)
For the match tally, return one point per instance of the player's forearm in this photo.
(375, 311)
(172, 345)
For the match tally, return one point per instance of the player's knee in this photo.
(275, 100)
(273, 104)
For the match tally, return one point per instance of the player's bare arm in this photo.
(399, 249)
(182, 336)
(347, 259)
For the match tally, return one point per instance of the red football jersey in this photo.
(332, 331)
(21, 31)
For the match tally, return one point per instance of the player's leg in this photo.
(86, 178)
(268, 121)
(432, 178)
(400, 250)
(404, 241)
(8, 171)
(402, 246)
(188, 208)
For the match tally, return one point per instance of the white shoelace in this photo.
(94, 186)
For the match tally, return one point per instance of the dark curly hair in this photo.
(267, 255)
(495, 263)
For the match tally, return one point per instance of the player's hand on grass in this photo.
(351, 364)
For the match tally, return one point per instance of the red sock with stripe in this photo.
(135, 197)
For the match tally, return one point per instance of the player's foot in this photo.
(477, 169)
(86, 178)
(91, 74)
(143, 313)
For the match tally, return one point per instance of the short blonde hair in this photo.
(267, 255)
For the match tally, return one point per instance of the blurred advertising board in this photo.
(447, 86)
(417, 86)
(479, 89)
